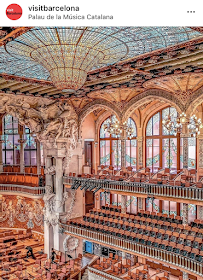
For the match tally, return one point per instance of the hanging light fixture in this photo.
(114, 127)
(68, 53)
(175, 125)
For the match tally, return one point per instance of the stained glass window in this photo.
(162, 146)
(11, 146)
(110, 146)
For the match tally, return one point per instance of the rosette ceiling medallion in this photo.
(69, 53)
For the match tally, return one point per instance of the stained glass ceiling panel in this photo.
(139, 40)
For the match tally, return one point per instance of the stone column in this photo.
(38, 157)
(56, 237)
(123, 152)
(22, 162)
(140, 141)
(59, 184)
(185, 214)
(48, 238)
(123, 204)
(48, 177)
(185, 275)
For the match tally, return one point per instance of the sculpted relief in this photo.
(48, 120)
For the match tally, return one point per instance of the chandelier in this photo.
(114, 127)
(68, 53)
(175, 125)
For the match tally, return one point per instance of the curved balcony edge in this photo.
(189, 265)
(147, 189)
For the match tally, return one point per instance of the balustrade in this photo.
(191, 193)
(36, 191)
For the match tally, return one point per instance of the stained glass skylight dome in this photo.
(66, 54)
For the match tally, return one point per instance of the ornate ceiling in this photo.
(169, 59)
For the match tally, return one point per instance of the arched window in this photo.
(11, 146)
(163, 149)
(110, 146)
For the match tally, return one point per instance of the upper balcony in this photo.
(144, 189)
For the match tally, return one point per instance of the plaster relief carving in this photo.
(70, 243)
(51, 206)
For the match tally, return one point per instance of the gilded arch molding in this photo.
(194, 101)
(99, 103)
(150, 95)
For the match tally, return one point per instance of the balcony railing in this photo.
(192, 266)
(92, 271)
(35, 191)
(191, 193)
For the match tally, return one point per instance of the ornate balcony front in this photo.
(186, 264)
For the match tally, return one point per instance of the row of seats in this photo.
(16, 169)
(20, 179)
(158, 241)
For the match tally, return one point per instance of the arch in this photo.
(194, 101)
(99, 103)
(151, 95)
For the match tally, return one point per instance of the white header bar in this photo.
(105, 13)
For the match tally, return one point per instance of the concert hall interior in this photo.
(101, 153)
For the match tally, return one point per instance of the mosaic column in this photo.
(185, 275)
(123, 204)
(140, 203)
(22, 162)
(140, 141)
(185, 214)
(1, 158)
(123, 255)
(200, 212)
(185, 137)
(123, 152)
(38, 157)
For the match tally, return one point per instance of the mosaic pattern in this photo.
(138, 40)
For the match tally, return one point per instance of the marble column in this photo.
(22, 162)
(48, 238)
(123, 152)
(123, 204)
(59, 184)
(56, 237)
(140, 140)
(79, 164)
(185, 214)
(38, 157)
(185, 275)
(48, 177)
